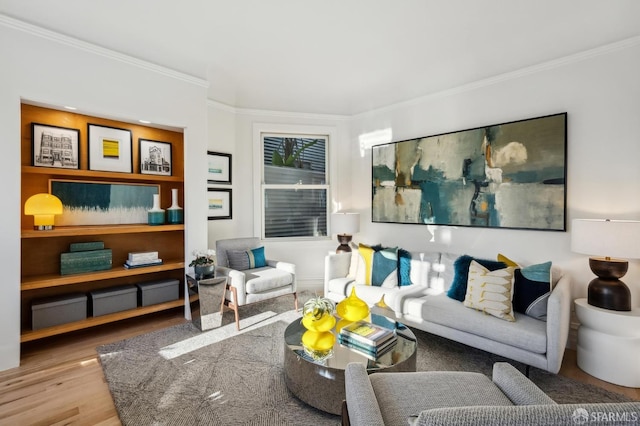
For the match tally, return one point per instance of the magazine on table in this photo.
(367, 333)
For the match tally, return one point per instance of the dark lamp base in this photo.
(607, 291)
(344, 240)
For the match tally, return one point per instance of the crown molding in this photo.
(268, 113)
(544, 66)
(98, 50)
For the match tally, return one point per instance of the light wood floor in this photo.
(60, 381)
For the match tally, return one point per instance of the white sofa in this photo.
(425, 306)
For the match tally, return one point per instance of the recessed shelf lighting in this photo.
(70, 108)
(144, 121)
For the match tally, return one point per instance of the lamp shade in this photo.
(43, 207)
(345, 223)
(604, 237)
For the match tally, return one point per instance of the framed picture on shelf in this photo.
(109, 149)
(219, 203)
(53, 146)
(219, 167)
(102, 203)
(155, 157)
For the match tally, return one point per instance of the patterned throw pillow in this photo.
(242, 260)
(531, 288)
(490, 291)
(384, 268)
(458, 287)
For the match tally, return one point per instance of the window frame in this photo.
(260, 187)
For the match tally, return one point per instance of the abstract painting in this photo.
(509, 175)
(102, 203)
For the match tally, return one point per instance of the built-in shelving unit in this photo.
(40, 250)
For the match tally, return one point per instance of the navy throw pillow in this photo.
(458, 288)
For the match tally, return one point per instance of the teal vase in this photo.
(156, 214)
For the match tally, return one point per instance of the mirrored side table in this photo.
(211, 294)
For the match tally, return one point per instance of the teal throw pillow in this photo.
(404, 268)
(458, 289)
(384, 268)
(242, 260)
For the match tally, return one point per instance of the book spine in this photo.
(369, 348)
(365, 351)
(143, 262)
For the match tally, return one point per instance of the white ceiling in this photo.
(337, 56)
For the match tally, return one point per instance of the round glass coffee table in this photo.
(320, 383)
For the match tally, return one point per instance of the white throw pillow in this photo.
(490, 291)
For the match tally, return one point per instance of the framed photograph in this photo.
(219, 167)
(109, 149)
(53, 146)
(155, 157)
(219, 202)
(102, 203)
(510, 175)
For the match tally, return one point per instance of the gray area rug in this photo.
(182, 376)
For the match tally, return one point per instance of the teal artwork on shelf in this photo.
(102, 203)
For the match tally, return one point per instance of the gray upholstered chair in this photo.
(461, 398)
(249, 280)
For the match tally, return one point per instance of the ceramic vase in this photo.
(156, 214)
(204, 271)
(175, 214)
(352, 308)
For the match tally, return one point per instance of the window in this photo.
(294, 185)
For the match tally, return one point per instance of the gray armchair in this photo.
(251, 285)
(460, 398)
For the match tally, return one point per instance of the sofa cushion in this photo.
(526, 333)
(401, 395)
(458, 288)
(266, 279)
(490, 291)
(339, 285)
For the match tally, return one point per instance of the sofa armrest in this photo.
(519, 389)
(362, 404)
(287, 267)
(236, 279)
(336, 265)
(558, 318)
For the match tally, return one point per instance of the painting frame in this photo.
(149, 156)
(110, 148)
(218, 168)
(86, 202)
(510, 175)
(223, 210)
(61, 153)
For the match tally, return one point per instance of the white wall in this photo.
(227, 125)
(601, 94)
(41, 66)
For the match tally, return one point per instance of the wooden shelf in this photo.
(91, 174)
(44, 281)
(71, 231)
(27, 336)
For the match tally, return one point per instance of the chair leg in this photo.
(232, 305)
(295, 300)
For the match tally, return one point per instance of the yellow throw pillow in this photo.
(367, 256)
(490, 291)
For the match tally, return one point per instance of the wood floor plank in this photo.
(60, 380)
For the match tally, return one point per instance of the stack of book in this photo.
(142, 259)
(369, 339)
